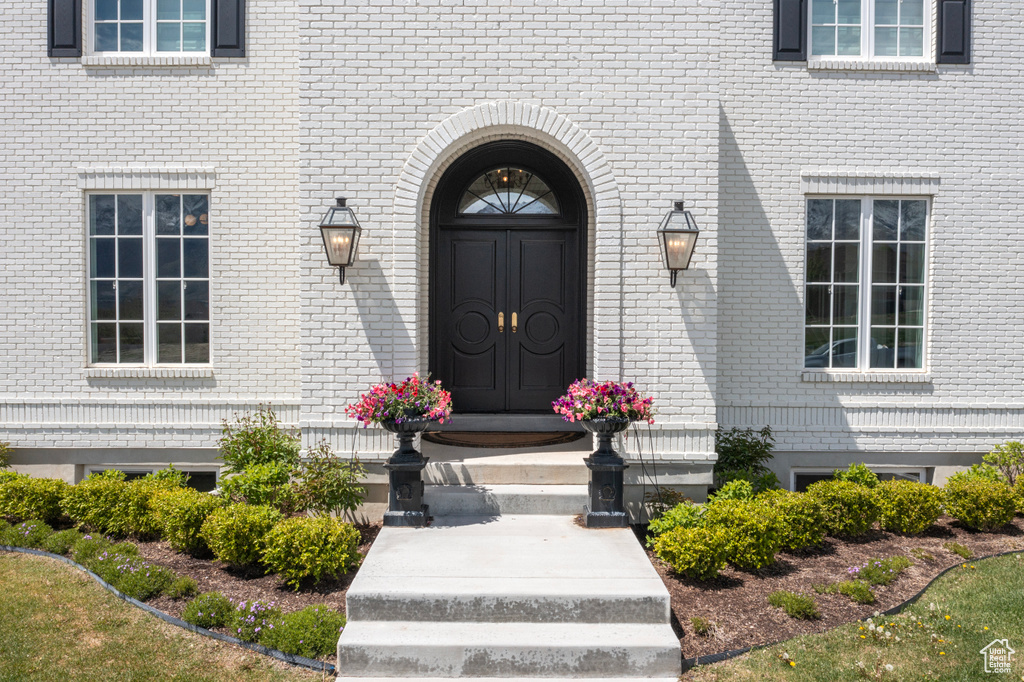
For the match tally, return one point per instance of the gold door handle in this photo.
(514, 323)
(501, 322)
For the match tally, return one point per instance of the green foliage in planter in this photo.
(963, 551)
(850, 509)
(181, 514)
(694, 553)
(25, 497)
(236, 534)
(800, 606)
(61, 542)
(182, 587)
(250, 620)
(266, 484)
(980, 504)
(312, 632)
(311, 547)
(209, 610)
(329, 484)
(683, 515)
(802, 517)
(737, 489)
(257, 439)
(881, 571)
(857, 473)
(1008, 458)
(753, 531)
(743, 450)
(93, 503)
(908, 506)
(31, 533)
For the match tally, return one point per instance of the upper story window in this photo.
(508, 191)
(870, 28)
(150, 27)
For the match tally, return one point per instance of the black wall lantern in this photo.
(678, 233)
(340, 231)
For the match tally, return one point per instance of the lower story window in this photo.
(149, 280)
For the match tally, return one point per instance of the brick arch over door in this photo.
(506, 120)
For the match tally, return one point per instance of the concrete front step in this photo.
(495, 500)
(562, 650)
(471, 466)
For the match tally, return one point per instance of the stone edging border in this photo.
(733, 653)
(291, 659)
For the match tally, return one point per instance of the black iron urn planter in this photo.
(606, 508)
(405, 475)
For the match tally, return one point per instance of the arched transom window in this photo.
(508, 191)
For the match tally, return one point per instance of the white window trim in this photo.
(867, 60)
(889, 374)
(903, 471)
(149, 56)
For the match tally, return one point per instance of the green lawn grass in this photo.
(973, 604)
(57, 624)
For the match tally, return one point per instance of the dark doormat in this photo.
(501, 439)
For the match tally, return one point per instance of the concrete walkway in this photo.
(512, 597)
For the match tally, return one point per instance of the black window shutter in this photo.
(228, 28)
(954, 32)
(64, 28)
(790, 35)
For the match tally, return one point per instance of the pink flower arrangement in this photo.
(413, 398)
(588, 399)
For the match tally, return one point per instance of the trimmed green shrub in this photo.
(800, 606)
(93, 503)
(62, 541)
(312, 632)
(181, 513)
(694, 553)
(25, 497)
(907, 506)
(169, 476)
(753, 531)
(1018, 490)
(182, 587)
(311, 547)
(250, 620)
(850, 509)
(857, 473)
(329, 484)
(980, 504)
(881, 571)
(134, 515)
(737, 489)
(683, 515)
(8, 475)
(265, 484)
(142, 580)
(5, 455)
(983, 472)
(802, 516)
(761, 479)
(1008, 458)
(236, 534)
(257, 439)
(209, 610)
(31, 533)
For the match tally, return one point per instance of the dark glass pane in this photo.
(847, 218)
(845, 308)
(168, 214)
(106, 10)
(816, 347)
(104, 301)
(101, 260)
(168, 37)
(819, 262)
(131, 10)
(104, 343)
(106, 41)
(129, 299)
(883, 305)
(817, 304)
(193, 36)
(196, 214)
(169, 346)
(197, 301)
(844, 347)
(131, 40)
(886, 220)
(508, 190)
(131, 342)
(847, 268)
(129, 214)
(911, 305)
(909, 353)
(912, 263)
(194, 10)
(197, 343)
(168, 257)
(883, 346)
(914, 214)
(168, 300)
(129, 257)
(883, 264)
(101, 214)
(886, 12)
(195, 258)
(202, 481)
(848, 11)
(170, 10)
(819, 219)
(823, 11)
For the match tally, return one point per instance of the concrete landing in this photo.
(507, 597)
(497, 500)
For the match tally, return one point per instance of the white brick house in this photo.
(168, 165)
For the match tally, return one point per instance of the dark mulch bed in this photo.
(737, 601)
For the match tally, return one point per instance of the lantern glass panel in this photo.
(678, 247)
(339, 216)
(340, 243)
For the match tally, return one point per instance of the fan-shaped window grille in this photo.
(508, 191)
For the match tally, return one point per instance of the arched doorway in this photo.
(507, 272)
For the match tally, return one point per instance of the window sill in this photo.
(147, 60)
(839, 64)
(867, 377)
(198, 372)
